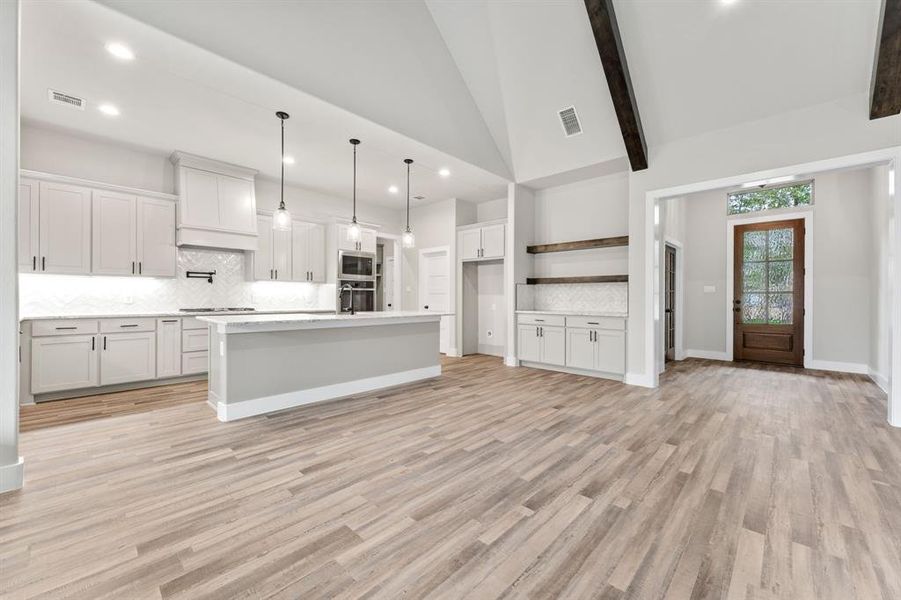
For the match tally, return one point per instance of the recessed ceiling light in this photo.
(109, 110)
(444, 172)
(288, 159)
(392, 189)
(120, 51)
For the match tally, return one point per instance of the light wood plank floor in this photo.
(726, 482)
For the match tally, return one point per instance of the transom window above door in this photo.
(768, 198)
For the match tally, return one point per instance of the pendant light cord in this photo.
(408, 196)
(281, 204)
(355, 182)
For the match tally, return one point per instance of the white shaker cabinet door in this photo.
(528, 343)
(65, 229)
(368, 240)
(156, 237)
(64, 362)
(493, 241)
(580, 348)
(553, 345)
(237, 207)
(469, 242)
(316, 238)
(262, 256)
(114, 233)
(168, 347)
(128, 357)
(199, 199)
(611, 351)
(28, 226)
(281, 255)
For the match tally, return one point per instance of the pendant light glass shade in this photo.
(353, 232)
(408, 240)
(281, 218)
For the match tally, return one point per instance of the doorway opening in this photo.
(434, 288)
(669, 304)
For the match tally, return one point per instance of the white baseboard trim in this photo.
(570, 370)
(511, 361)
(267, 404)
(879, 379)
(639, 379)
(12, 477)
(453, 353)
(708, 354)
(841, 367)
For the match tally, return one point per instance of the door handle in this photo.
(426, 307)
(736, 309)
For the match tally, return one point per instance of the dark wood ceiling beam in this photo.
(885, 85)
(613, 58)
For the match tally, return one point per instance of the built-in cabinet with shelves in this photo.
(216, 203)
(481, 241)
(93, 229)
(589, 345)
(71, 357)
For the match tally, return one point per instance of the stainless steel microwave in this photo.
(356, 265)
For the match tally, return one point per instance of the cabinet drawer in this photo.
(126, 325)
(193, 323)
(540, 319)
(64, 327)
(194, 362)
(195, 340)
(615, 323)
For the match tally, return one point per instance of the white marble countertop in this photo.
(575, 313)
(250, 323)
(173, 313)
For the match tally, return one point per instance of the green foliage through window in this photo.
(767, 198)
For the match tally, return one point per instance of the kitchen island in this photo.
(264, 363)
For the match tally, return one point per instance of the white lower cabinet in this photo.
(194, 362)
(168, 347)
(127, 357)
(542, 343)
(593, 344)
(63, 362)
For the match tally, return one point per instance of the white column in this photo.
(10, 464)
(894, 393)
(517, 262)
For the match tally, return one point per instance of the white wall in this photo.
(434, 225)
(842, 259)
(829, 130)
(588, 209)
(880, 282)
(491, 210)
(11, 468)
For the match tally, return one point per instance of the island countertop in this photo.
(250, 323)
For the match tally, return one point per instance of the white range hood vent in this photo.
(216, 203)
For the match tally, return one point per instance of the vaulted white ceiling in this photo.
(474, 86)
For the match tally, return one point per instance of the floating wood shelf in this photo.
(583, 279)
(609, 242)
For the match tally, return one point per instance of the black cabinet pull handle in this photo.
(93, 343)
(65, 328)
(170, 320)
(104, 342)
(130, 325)
(34, 263)
(140, 268)
(43, 263)
(539, 320)
(132, 267)
(593, 323)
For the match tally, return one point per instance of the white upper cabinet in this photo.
(272, 259)
(156, 237)
(114, 234)
(217, 203)
(65, 229)
(366, 243)
(481, 241)
(493, 241)
(308, 252)
(29, 213)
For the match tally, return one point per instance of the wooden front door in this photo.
(669, 308)
(768, 302)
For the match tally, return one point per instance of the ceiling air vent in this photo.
(65, 99)
(570, 121)
(419, 197)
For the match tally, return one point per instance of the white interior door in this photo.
(434, 289)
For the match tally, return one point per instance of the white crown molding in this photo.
(111, 187)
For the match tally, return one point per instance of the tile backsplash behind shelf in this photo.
(61, 294)
(593, 297)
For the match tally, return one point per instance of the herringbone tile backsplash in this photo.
(592, 297)
(81, 294)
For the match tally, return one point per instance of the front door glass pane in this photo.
(768, 276)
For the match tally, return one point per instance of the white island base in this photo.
(260, 364)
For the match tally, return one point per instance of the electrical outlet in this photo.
(709, 289)
(129, 300)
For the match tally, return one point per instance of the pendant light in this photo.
(281, 219)
(408, 240)
(353, 232)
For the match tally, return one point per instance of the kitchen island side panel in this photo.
(277, 362)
